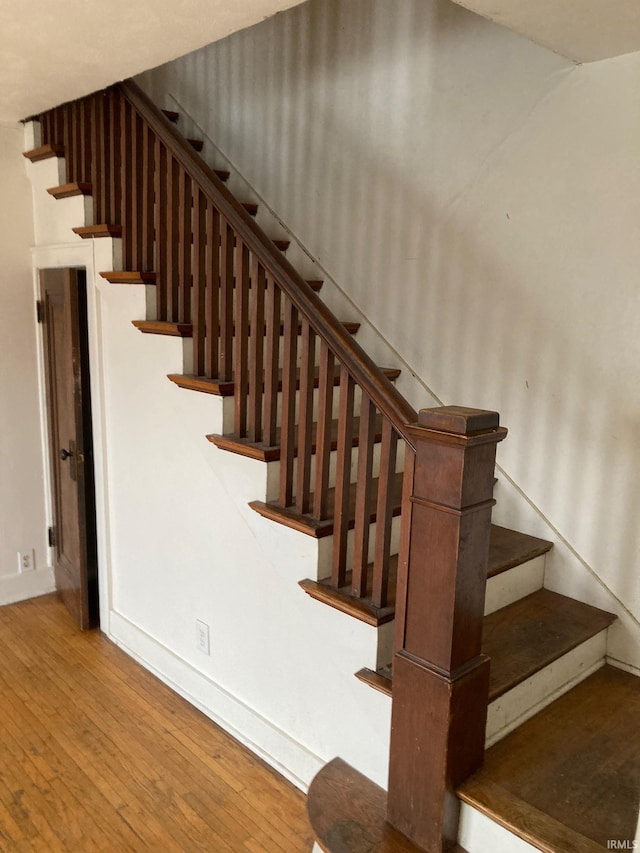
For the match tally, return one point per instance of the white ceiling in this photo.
(55, 52)
(581, 30)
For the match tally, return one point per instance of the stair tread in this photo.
(129, 277)
(524, 637)
(225, 387)
(70, 190)
(172, 115)
(102, 230)
(158, 327)
(44, 152)
(119, 276)
(305, 523)
(185, 330)
(509, 548)
(271, 453)
(533, 632)
(361, 608)
(568, 779)
(520, 551)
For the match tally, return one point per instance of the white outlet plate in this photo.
(202, 636)
(26, 561)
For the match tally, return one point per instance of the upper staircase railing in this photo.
(260, 328)
(216, 269)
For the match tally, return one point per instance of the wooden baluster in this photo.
(160, 183)
(66, 141)
(184, 246)
(256, 351)
(97, 167)
(384, 514)
(226, 300)
(58, 128)
(366, 437)
(305, 417)
(288, 419)
(85, 139)
(147, 213)
(78, 139)
(114, 158)
(343, 479)
(212, 301)
(46, 119)
(125, 185)
(101, 148)
(323, 433)
(440, 677)
(134, 213)
(272, 356)
(241, 339)
(199, 279)
(172, 258)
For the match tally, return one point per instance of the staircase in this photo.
(308, 402)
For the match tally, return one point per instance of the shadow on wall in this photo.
(427, 158)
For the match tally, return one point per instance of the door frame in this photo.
(80, 255)
(79, 588)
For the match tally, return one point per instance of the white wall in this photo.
(22, 502)
(479, 198)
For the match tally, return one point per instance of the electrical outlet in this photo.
(202, 636)
(26, 561)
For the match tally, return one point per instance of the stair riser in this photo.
(273, 474)
(514, 584)
(325, 548)
(479, 834)
(526, 699)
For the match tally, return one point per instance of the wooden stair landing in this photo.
(523, 638)
(568, 780)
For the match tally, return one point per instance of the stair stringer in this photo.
(178, 542)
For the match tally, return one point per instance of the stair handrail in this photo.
(362, 368)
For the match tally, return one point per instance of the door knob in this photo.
(64, 454)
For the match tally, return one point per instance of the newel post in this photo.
(440, 677)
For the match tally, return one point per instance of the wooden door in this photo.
(64, 318)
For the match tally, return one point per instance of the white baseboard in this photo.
(19, 587)
(627, 667)
(289, 757)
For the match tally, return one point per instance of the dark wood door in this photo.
(64, 317)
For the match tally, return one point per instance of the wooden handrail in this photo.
(363, 370)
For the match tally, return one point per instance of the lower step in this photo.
(568, 780)
(347, 813)
(538, 646)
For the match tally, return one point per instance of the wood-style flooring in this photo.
(97, 754)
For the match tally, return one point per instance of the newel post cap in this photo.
(457, 425)
(458, 419)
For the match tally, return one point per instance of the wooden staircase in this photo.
(306, 398)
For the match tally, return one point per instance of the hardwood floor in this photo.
(97, 754)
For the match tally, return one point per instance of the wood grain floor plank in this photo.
(97, 754)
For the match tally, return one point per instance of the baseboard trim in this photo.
(289, 757)
(28, 585)
(620, 664)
